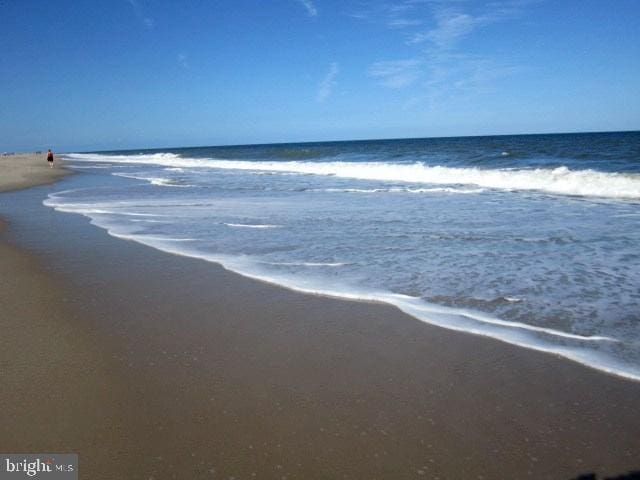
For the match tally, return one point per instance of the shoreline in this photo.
(547, 340)
(405, 309)
(203, 369)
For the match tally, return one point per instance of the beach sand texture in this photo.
(26, 170)
(156, 366)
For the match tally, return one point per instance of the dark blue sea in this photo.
(530, 239)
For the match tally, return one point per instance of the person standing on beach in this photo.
(50, 158)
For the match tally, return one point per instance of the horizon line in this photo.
(308, 142)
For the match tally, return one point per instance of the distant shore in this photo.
(152, 365)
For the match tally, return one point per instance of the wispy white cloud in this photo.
(183, 60)
(456, 78)
(309, 5)
(451, 27)
(403, 22)
(329, 81)
(138, 10)
(396, 73)
(440, 71)
(452, 24)
(396, 16)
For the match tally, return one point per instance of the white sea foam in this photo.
(559, 181)
(400, 190)
(54, 200)
(527, 336)
(90, 167)
(573, 346)
(160, 181)
(153, 238)
(154, 158)
(245, 225)
(306, 264)
(510, 289)
(513, 299)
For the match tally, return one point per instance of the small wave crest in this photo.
(159, 181)
(306, 264)
(149, 158)
(400, 190)
(249, 225)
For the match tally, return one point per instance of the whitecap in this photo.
(558, 181)
(306, 264)
(244, 225)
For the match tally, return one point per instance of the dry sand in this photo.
(155, 366)
(28, 169)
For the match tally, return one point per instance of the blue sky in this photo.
(87, 75)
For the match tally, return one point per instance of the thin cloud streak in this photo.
(183, 60)
(146, 21)
(311, 8)
(403, 23)
(396, 73)
(326, 86)
(451, 27)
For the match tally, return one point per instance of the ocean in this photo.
(530, 239)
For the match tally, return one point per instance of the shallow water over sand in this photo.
(532, 240)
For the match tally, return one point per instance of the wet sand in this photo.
(170, 367)
(58, 393)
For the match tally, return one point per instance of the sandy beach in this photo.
(28, 169)
(150, 365)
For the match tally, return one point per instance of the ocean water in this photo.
(533, 240)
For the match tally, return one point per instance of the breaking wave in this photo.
(557, 181)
